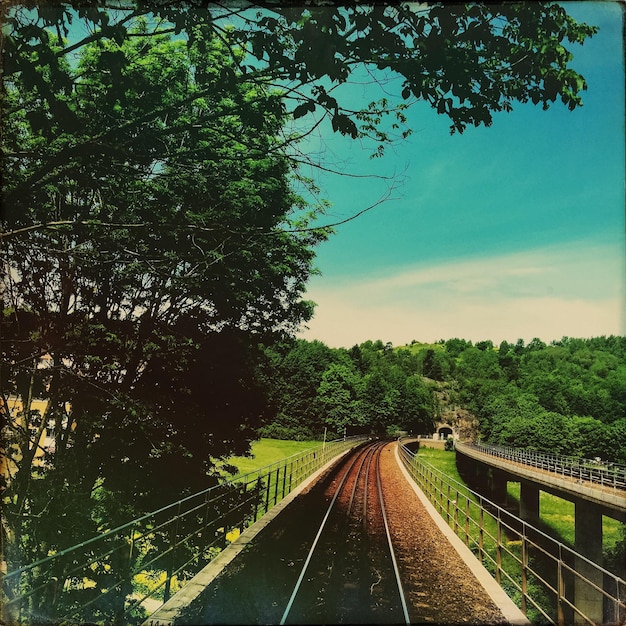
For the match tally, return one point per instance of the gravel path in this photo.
(439, 586)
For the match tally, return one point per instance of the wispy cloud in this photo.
(574, 290)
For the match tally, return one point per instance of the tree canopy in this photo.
(170, 251)
(567, 397)
(370, 388)
(467, 61)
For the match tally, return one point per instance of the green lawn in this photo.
(443, 460)
(558, 515)
(268, 451)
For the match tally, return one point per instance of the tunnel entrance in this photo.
(444, 432)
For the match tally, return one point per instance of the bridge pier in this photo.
(529, 502)
(588, 543)
(480, 476)
(498, 486)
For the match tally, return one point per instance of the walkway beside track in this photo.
(509, 609)
(166, 614)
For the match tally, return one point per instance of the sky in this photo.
(513, 231)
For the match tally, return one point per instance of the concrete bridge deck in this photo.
(612, 500)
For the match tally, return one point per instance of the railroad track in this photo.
(350, 574)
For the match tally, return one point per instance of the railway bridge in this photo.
(595, 488)
(155, 569)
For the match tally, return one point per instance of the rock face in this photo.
(463, 423)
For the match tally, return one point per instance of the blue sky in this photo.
(513, 231)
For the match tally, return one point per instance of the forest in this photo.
(567, 397)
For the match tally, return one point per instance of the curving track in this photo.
(327, 560)
(350, 573)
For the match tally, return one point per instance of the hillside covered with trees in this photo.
(568, 397)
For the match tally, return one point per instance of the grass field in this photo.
(558, 515)
(268, 451)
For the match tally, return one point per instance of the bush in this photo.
(449, 445)
(296, 433)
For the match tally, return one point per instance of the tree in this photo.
(508, 360)
(467, 62)
(170, 251)
(436, 364)
(546, 431)
(502, 408)
(296, 373)
(485, 345)
(417, 406)
(455, 346)
(381, 402)
(338, 393)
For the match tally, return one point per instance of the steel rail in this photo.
(296, 588)
(367, 476)
(368, 458)
(364, 457)
(405, 611)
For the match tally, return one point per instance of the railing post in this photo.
(206, 515)
(499, 549)
(257, 498)
(560, 591)
(124, 584)
(284, 479)
(441, 493)
(467, 519)
(276, 485)
(481, 531)
(170, 566)
(242, 523)
(524, 570)
(267, 492)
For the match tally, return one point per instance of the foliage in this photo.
(467, 62)
(557, 398)
(339, 394)
(369, 388)
(379, 387)
(137, 316)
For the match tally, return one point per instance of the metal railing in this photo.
(596, 471)
(125, 574)
(540, 574)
